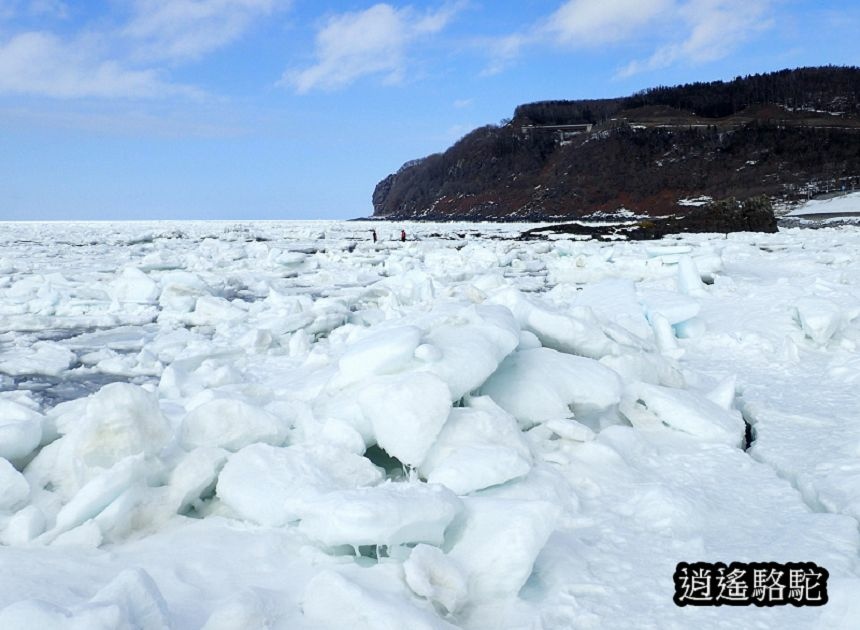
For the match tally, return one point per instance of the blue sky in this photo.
(242, 109)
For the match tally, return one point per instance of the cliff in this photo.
(785, 135)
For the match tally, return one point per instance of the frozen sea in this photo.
(284, 425)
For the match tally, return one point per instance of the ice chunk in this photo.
(119, 421)
(664, 335)
(14, 489)
(180, 290)
(132, 285)
(210, 311)
(42, 357)
(20, 430)
(477, 466)
(723, 394)
(333, 602)
(819, 318)
(675, 307)
(138, 598)
(272, 486)
(379, 353)
(471, 352)
(24, 526)
(407, 412)
(670, 251)
(194, 475)
(690, 328)
(496, 542)
(433, 575)
(230, 424)
(480, 446)
(483, 422)
(554, 329)
(542, 384)
(390, 514)
(614, 299)
(689, 280)
(654, 407)
(96, 495)
(570, 429)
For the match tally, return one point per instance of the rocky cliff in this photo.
(785, 135)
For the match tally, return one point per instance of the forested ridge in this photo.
(788, 135)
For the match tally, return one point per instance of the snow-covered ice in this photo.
(279, 425)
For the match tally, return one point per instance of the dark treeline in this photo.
(826, 88)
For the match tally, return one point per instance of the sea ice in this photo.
(273, 486)
(554, 329)
(231, 424)
(819, 318)
(407, 411)
(542, 384)
(496, 542)
(654, 407)
(389, 514)
(14, 489)
(433, 575)
(20, 430)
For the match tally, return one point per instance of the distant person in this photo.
(402, 236)
(373, 234)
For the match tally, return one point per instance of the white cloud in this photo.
(33, 8)
(188, 29)
(715, 28)
(39, 63)
(596, 22)
(370, 42)
(503, 51)
(696, 31)
(49, 8)
(119, 62)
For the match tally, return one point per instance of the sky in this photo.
(295, 109)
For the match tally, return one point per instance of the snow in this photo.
(843, 204)
(283, 425)
(332, 601)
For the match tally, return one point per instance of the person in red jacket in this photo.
(402, 235)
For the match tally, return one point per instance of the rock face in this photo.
(784, 135)
(729, 215)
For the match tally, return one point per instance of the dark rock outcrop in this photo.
(729, 215)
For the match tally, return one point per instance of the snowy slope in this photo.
(844, 204)
(284, 425)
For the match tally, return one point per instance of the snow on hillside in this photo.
(285, 425)
(844, 204)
